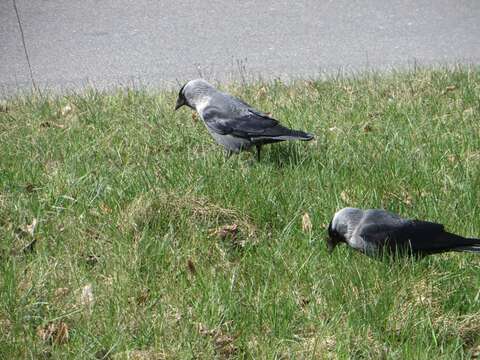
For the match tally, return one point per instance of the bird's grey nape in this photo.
(196, 91)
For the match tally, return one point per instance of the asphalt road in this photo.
(108, 43)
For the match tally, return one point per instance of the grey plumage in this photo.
(374, 232)
(233, 123)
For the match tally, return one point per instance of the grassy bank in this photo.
(125, 232)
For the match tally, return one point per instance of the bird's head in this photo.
(193, 92)
(333, 237)
(181, 100)
(339, 227)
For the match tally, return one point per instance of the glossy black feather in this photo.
(416, 236)
(251, 125)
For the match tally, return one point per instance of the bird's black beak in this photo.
(180, 102)
(331, 244)
(181, 99)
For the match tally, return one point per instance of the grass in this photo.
(132, 255)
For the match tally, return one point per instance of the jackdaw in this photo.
(232, 122)
(376, 232)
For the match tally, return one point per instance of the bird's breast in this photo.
(231, 142)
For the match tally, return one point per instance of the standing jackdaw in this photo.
(375, 232)
(232, 122)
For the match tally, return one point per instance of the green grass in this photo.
(129, 195)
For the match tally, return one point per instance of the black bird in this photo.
(376, 232)
(232, 122)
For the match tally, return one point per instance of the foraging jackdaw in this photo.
(232, 122)
(375, 232)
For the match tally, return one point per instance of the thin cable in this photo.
(24, 46)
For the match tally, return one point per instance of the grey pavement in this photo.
(155, 44)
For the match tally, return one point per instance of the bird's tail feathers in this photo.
(280, 133)
(296, 135)
(453, 242)
(473, 246)
(470, 249)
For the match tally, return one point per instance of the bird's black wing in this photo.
(409, 235)
(248, 124)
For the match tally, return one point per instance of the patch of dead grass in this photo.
(322, 347)
(222, 340)
(467, 327)
(148, 208)
(146, 354)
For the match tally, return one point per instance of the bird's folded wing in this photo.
(247, 125)
(417, 234)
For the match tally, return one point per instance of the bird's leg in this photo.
(259, 147)
(228, 154)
